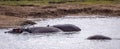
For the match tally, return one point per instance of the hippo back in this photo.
(99, 37)
(43, 30)
(67, 27)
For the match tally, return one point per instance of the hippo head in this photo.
(14, 31)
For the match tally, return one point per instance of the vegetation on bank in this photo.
(42, 2)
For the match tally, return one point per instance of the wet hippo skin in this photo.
(35, 30)
(43, 30)
(99, 37)
(67, 27)
(48, 29)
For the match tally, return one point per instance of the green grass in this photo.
(22, 3)
(44, 2)
(100, 2)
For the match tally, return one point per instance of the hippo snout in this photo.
(15, 31)
(7, 31)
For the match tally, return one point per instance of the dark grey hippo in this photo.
(35, 30)
(48, 29)
(42, 30)
(99, 37)
(67, 27)
(15, 31)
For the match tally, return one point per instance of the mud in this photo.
(11, 22)
(58, 10)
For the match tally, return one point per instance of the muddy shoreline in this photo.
(44, 11)
(56, 10)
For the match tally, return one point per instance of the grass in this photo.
(21, 3)
(99, 2)
(47, 2)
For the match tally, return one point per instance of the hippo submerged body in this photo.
(43, 30)
(49, 29)
(67, 27)
(99, 37)
(35, 30)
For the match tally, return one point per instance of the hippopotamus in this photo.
(99, 37)
(67, 27)
(16, 30)
(35, 30)
(42, 30)
(48, 29)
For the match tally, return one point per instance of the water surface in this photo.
(109, 26)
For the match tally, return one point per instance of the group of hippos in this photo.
(55, 29)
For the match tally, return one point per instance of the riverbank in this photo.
(67, 40)
(11, 22)
(58, 10)
(53, 11)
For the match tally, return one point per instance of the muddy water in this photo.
(63, 40)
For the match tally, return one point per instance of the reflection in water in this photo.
(67, 40)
